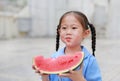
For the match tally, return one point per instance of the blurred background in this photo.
(39, 18)
(28, 28)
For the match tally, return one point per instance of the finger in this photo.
(44, 74)
(81, 67)
(64, 75)
(33, 67)
(71, 71)
(37, 71)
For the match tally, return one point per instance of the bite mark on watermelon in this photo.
(58, 65)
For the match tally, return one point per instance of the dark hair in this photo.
(86, 25)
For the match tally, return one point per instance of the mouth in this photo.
(68, 39)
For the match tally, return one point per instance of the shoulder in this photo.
(87, 54)
(89, 59)
(91, 67)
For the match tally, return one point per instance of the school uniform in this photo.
(90, 69)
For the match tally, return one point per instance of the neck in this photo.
(72, 50)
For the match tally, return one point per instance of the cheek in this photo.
(62, 35)
(79, 35)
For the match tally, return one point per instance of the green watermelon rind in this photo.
(62, 71)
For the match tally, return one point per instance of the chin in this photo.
(69, 45)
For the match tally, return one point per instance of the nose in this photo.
(68, 31)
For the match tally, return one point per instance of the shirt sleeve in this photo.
(92, 70)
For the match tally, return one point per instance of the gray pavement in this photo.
(16, 57)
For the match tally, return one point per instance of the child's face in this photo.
(71, 31)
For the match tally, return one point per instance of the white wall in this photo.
(46, 13)
(113, 28)
(39, 13)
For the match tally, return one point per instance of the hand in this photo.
(74, 75)
(44, 76)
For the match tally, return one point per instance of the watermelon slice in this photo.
(58, 65)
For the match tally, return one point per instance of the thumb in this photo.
(71, 71)
(81, 67)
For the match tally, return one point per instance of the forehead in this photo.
(69, 15)
(70, 18)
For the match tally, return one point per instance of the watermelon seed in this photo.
(70, 61)
(76, 56)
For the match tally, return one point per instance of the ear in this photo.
(86, 33)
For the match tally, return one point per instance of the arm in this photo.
(45, 77)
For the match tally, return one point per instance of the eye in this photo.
(63, 27)
(74, 27)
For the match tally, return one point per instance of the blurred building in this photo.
(24, 22)
(46, 13)
(39, 18)
(9, 17)
(104, 14)
(8, 27)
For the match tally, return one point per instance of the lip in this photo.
(68, 38)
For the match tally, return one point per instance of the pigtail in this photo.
(93, 37)
(57, 39)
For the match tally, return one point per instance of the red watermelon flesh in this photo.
(58, 65)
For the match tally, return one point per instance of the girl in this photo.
(73, 28)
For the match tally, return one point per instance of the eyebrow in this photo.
(71, 25)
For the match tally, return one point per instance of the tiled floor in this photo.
(16, 57)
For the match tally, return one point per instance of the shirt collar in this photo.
(84, 50)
